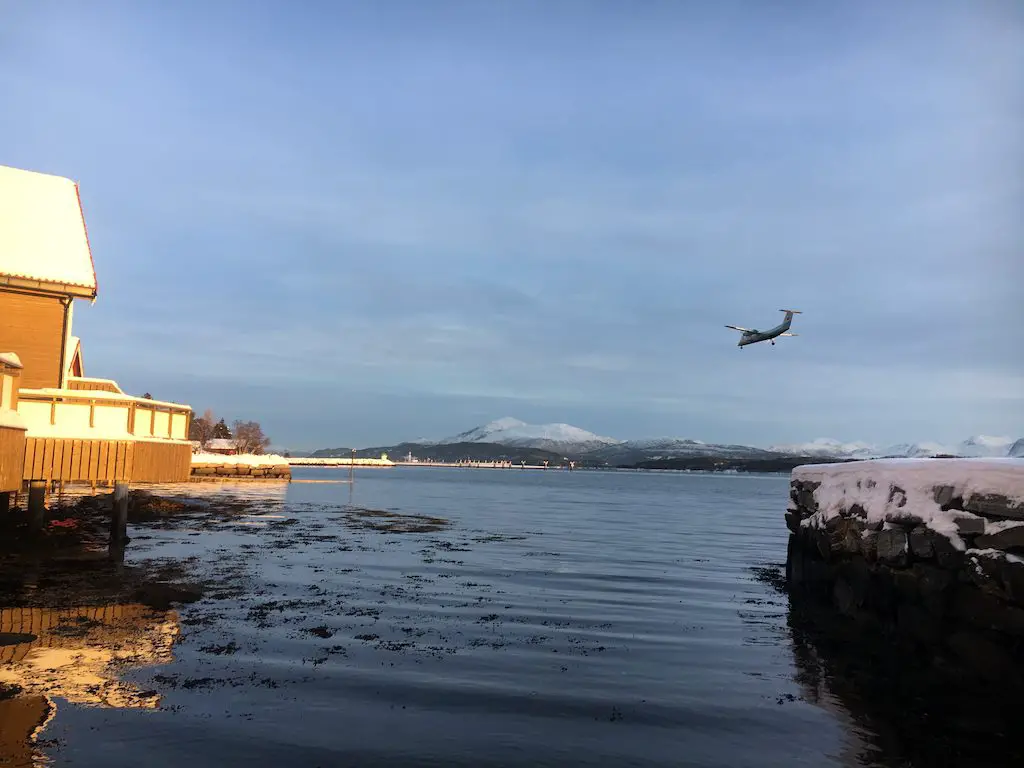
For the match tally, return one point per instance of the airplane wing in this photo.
(737, 328)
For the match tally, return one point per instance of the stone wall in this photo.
(224, 472)
(936, 561)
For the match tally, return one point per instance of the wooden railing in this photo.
(101, 415)
(102, 437)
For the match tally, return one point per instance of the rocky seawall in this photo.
(226, 472)
(928, 554)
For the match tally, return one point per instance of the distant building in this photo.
(73, 428)
(222, 445)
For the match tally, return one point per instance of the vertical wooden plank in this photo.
(65, 465)
(76, 460)
(92, 457)
(152, 421)
(112, 462)
(170, 421)
(92, 413)
(46, 468)
(131, 418)
(53, 411)
(130, 461)
(101, 460)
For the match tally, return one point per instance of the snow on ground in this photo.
(250, 459)
(11, 358)
(870, 485)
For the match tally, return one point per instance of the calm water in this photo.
(557, 619)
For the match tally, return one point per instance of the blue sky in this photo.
(365, 222)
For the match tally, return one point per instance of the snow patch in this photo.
(248, 459)
(11, 419)
(11, 359)
(872, 485)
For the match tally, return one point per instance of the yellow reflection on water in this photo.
(77, 655)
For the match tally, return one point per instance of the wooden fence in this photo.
(106, 461)
(12, 458)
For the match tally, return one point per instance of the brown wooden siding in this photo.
(101, 386)
(106, 461)
(162, 462)
(33, 326)
(12, 458)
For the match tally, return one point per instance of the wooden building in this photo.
(75, 428)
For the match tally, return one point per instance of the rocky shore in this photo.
(930, 551)
(208, 467)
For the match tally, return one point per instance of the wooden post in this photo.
(36, 505)
(119, 514)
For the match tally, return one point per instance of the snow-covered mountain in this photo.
(632, 451)
(827, 447)
(979, 446)
(560, 438)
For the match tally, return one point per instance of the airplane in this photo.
(752, 335)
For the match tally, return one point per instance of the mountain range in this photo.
(512, 439)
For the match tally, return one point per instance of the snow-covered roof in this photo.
(11, 359)
(223, 443)
(43, 239)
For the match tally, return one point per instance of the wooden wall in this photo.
(12, 458)
(92, 384)
(162, 462)
(106, 461)
(33, 326)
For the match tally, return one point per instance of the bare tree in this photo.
(249, 437)
(202, 428)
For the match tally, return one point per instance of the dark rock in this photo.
(985, 611)
(917, 623)
(1006, 539)
(943, 495)
(969, 525)
(892, 546)
(793, 521)
(858, 511)
(898, 495)
(869, 545)
(988, 659)
(161, 596)
(904, 582)
(994, 505)
(947, 555)
(843, 597)
(921, 542)
(933, 585)
(1011, 576)
(844, 534)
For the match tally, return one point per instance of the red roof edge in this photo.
(88, 245)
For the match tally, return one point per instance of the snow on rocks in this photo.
(933, 548)
(250, 459)
(216, 466)
(952, 497)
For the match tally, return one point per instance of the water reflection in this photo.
(76, 654)
(899, 709)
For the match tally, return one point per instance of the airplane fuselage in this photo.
(753, 336)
